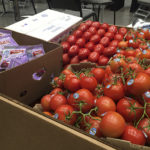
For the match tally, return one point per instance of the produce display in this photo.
(106, 89)
(13, 55)
(97, 43)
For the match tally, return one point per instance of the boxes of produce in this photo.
(109, 102)
(96, 42)
(21, 67)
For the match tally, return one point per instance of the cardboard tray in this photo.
(18, 82)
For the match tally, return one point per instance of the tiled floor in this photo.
(122, 16)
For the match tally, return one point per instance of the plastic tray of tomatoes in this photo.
(111, 101)
(96, 42)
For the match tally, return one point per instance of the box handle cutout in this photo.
(39, 74)
(23, 93)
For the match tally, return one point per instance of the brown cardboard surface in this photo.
(23, 129)
(17, 81)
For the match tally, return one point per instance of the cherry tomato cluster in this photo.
(111, 101)
(92, 42)
(135, 44)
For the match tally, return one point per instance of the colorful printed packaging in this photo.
(35, 51)
(13, 56)
(5, 33)
(7, 41)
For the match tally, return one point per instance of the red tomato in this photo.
(74, 60)
(80, 42)
(109, 51)
(141, 35)
(65, 113)
(66, 59)
(73, 51)
(127, 108)
(112, 29)
(83, 53)
(77, 33)
(95, 38)
(67, 80)
(110, 35)
(116, 64)
(139, 85)
(114, 43)
(104, 41)
(118, 37)
(89, 83)
(56, 91)
(147, 71)
(103, 60)
(136, 67)
(89, 22)
(90, 46)
(93, 57)
(71, 39)
(83, 27)
(123, 44)
(123, 31)
(133, 43)
(144, 126)
(57, 82)
(87, 35)
(67, 72)
(130, 52)
(99, 74)
(146, 34)
(45, 101)
(104, 26)
(101, 32)
(73, 84)
(82, 97)
(146, 96)
(65, 45)
(99, 48)
(130, 35)
(92, 30)
(48, 113)
(105, 104)
(96, 24)
(56, 101)
(133, 135)
(112, 124)
(115, 91)
(143, 46)
(146, 54)
(94, 127)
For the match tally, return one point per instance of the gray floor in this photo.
(123, 16)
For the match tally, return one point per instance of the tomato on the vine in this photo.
(89, 83)
(105, 104)
(65, 113)
(82, 99)
(134, 135)
(130, 109)
(112, 124)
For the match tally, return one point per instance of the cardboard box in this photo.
(28, 129)
(19, 83)
(22, 128)
(48, 25)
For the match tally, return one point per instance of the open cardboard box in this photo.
(19, 83)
